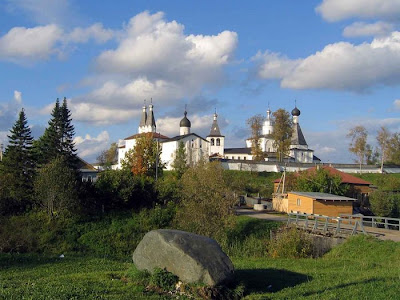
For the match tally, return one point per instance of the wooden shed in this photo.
(320, 203)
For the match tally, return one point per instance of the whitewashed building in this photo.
(196, 147)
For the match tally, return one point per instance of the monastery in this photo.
(212, 146)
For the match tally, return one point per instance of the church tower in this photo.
(147, 121)
(216, 140)
(184, 125)
(142, 124)
(268, 126)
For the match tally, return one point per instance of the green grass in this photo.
(362, 268)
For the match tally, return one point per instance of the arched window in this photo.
(212, 142)
(218, 142)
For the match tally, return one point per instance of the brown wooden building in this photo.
(319, 203)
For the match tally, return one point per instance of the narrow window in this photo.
(298, 202)
(212, 142)
(218, 142)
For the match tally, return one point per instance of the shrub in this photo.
(290, 243)
(164, 279)
(385, 204)
(207, 202)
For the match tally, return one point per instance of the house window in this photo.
(218, 142)
(298, 202)
(212, 142)
(244, 158)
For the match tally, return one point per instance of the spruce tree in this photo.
(180, 161)
(57, 139)
(18, 165)
(67, 136)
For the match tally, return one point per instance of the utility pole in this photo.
(157, 157)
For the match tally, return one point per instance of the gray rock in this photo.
(193, 258)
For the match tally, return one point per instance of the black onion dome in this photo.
(295, 112)
(185, 122)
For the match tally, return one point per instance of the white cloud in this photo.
(42, 11)
(364, 29)
(30, 43)
(18, 97)
(9, 112)
(95, 32)
(275, 65)
(90, 146)
(21, 44)
(156, 59)
(160, 50)
(132, 94)
(396, 104)
(336, 10)
(339, 66)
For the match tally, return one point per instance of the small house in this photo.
(319, 203)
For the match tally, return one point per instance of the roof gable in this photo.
(346, 178)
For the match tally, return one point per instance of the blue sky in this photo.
(338, 58)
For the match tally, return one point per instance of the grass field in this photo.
(362, 268)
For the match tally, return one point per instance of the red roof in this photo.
(154, 135)
(346, 178)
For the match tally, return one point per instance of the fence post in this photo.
(386, 223)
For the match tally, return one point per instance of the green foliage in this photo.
(168, 189)
(17, 169)
(385, 204)
(108, 157)
(252, 183)
(320, 181)
(115, 235)
(164, 279)
(290, 243)
(256, 123)
(248, 238)
(282, 134)
(358, 145)
(207, 202)
(57, 139)
(119, 189)
(145, 158)
(55, 188)
(180, 161)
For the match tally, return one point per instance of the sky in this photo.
(338, 60)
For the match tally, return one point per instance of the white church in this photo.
(198, 148)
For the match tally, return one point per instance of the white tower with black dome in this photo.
(184, 125)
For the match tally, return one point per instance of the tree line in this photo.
(387, 151)
(28, 166)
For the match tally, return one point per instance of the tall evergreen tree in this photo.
(180, 162)
(57, 139)
(67, 136)
(18, 165)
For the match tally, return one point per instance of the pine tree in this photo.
(67, 136)
(180, 161)
(57, 139)
(18, 164)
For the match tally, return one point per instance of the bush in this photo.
(164, 279)
(207, 202)
(385, 204)
(290, 243)
(248, 238)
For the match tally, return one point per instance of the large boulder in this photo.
(193, 258)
